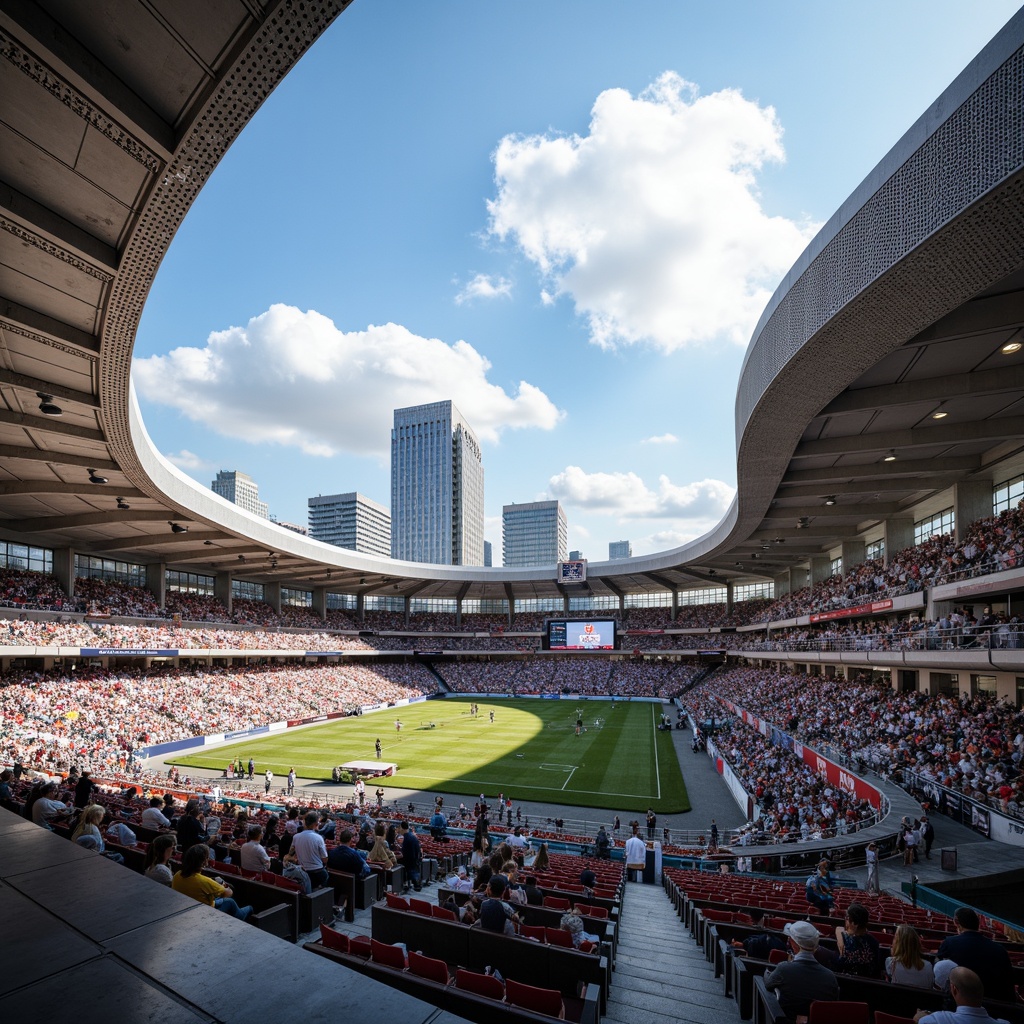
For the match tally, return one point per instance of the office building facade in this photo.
(242, 490)
(437, 487)
(534, 533)
(619, 549)
(350, 521)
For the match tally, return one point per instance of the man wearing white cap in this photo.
(802, 979)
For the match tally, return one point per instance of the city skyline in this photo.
(592, 222)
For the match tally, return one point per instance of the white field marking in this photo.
(551, 766)
(567, 778)
(478, 781)
(657, 769)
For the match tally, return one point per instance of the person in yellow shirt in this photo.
(191, 881)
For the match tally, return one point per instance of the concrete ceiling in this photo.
(113, 114)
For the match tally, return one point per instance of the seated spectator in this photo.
(761, 944)
(573, 924)
(801, 980)
(159, 853)
(495, 914)
(153, 816)
(858, 951)
(818, 891)
(291, 869)
(252, 855)
(983, 956)
(345, 857)
(967, 991)
(534, 894)
(192, 882)
(907, 966)
(380, 853)
(45, 809)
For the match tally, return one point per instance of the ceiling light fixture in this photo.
(830, 499)
(208, 543)
(177, 527)
(939, 414)
(891, 457)
(123, 505)
(95, 478)
(47, 406)
(1011, 347)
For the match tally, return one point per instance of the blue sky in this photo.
(564, 216)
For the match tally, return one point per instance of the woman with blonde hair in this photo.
(89, 825)
(907, 966)
(380, 853)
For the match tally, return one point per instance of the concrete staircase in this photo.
(661, 976)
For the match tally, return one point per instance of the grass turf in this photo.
(529, 752)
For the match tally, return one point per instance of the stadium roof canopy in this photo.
(114, 114)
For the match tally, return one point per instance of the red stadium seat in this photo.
(429, 968)
(420, 907)
(556, 903)
(558, 937)
(443, 913)
(398, 902)
(389, 956)
(777, 956)
(538, 1000)
(533, 931)
(333, 939)
(479, 984)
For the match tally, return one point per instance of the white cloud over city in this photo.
(661, 439)
(293, 378)
(651, 223)
(627, 496)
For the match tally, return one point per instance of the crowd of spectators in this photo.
(972, 745)
(584, 675)
(100, 719)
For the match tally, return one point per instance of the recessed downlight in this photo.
(1010, 347)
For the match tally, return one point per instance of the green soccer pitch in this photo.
(529, 752)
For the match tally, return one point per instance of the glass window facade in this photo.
(350, 521)
(190, 582)
(934, 526)
(534, 533)
(24, 556)
(1007, 495)
(297, 598)
(243, 588)
(876, 549)
(90, 566)
(437, 487)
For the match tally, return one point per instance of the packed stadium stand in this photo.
(856, 610)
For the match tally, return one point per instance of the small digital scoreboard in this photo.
(572, 572)
(579, 635)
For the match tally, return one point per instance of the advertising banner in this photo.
(846, 613)
(822, 766)
(131, 652)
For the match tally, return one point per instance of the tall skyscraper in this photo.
(487, 553)
(619, 549)
(437, 487)
(534, 533)
(350, 521)
(241, 489)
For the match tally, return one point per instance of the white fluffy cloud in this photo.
(660, 439)
(483, 286)
(293, 378)
(627, 496)
(189, 461)
(651, 222)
